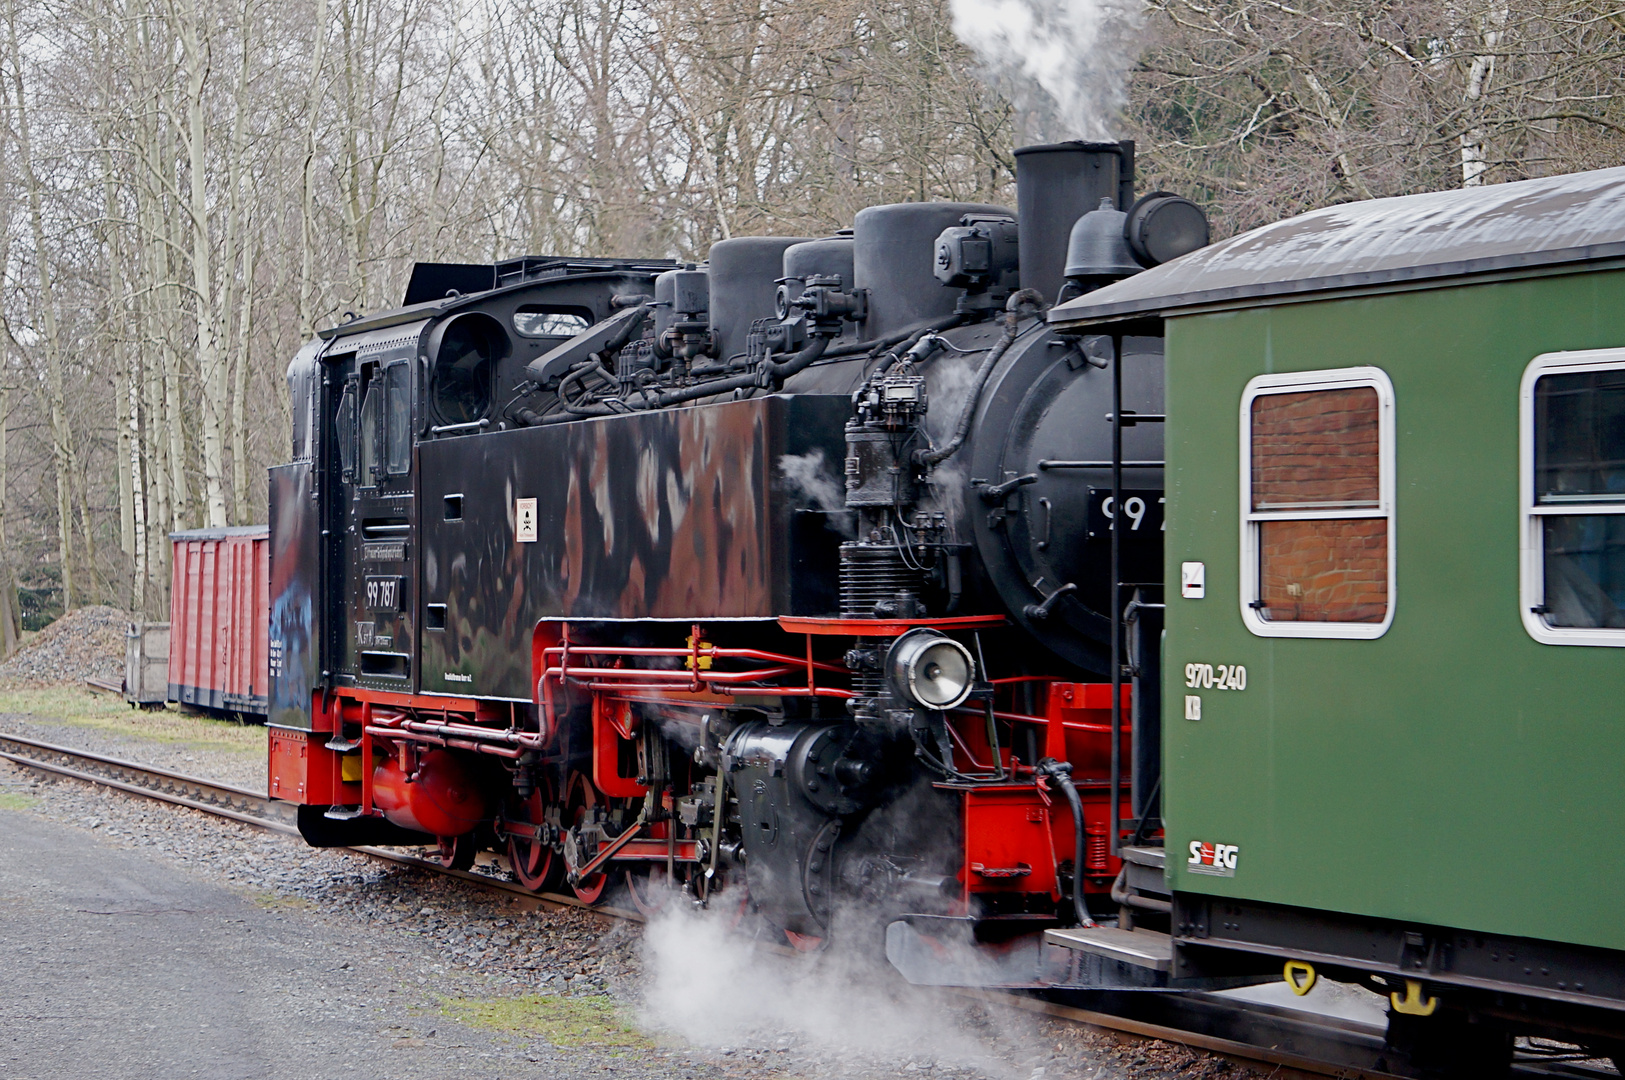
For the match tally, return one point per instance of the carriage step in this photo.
(1142, 948)
(342, 746)
(343, 813)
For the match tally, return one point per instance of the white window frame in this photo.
(1531, 544)
(1298, 382)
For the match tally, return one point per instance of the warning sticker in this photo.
(524, 518)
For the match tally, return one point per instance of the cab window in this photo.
(464, 365)
(344, 429)
(372, 408)
(540, 320)
(398, 422)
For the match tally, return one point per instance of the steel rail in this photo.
(235, 804)
(1245, 1032)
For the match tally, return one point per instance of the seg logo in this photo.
(1218, 860)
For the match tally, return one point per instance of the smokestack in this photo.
(1056, 184)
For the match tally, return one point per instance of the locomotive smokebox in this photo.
(1056, 184)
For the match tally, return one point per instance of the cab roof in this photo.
(1422, 239)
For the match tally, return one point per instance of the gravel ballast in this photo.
(525, 989)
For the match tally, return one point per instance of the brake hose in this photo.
(1061, 773)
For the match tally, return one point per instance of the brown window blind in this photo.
(1321, 534)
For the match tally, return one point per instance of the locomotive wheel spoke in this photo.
(651, 889)
(457, 852)
(580, 799)
(805, 942)
(536, 864)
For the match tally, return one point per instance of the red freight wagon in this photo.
(219, 619)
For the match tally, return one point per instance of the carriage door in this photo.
(380, 517)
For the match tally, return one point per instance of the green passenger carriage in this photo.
(1394, 730)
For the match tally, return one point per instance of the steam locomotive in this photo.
(786, 574)
(823, 581)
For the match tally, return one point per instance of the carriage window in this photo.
(1574, 498)
(372, 407)
(398, 428)
(1318, 504)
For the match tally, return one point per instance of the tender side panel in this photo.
(701, 513)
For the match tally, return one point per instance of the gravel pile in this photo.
(446, 941)
(87, 643)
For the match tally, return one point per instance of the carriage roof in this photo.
(1412, 240)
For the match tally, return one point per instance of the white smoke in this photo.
(707, 982)
(810, 479)
(1063, 63)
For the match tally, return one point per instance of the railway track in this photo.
(1289, 1041)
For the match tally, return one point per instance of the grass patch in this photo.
(107, 712)
(10, 800)
(273, 902)
(566, 1022)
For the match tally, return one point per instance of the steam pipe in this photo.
(769, 371)
(579, 374)
(853, 348)
(772, 372)
(1123, 898)
(1061, 773)
(1012, 319)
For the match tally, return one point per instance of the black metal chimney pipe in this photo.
(1056, 184)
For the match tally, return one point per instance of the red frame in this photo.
(1014, 836)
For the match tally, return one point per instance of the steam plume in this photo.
(809, 478)
(1063, 63)
(707, 983)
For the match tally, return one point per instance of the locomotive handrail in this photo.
(1028, 718)
(706, 651)
(695, 677)
(664, 676)
(1058, 463)
(763, 691)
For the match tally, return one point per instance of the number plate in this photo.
(1144, 515)
(383, 593)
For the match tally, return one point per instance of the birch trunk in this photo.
(307, 193)
(239, 391)
(62, 456)
(1488, 29)
(11, 623)
(211, 361)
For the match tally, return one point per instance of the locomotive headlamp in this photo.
(931, 669)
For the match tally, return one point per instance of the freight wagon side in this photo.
(219, 619)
